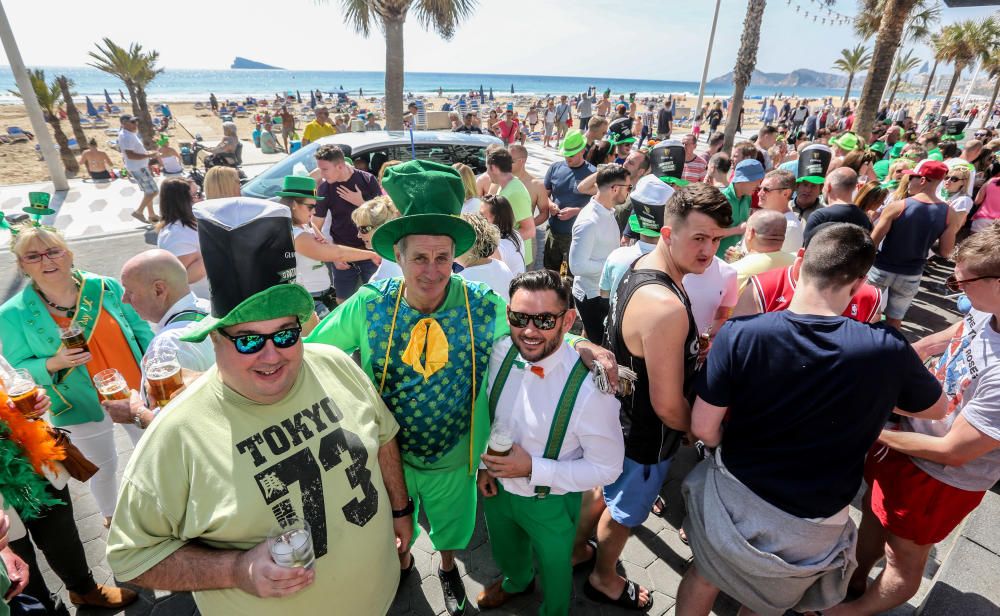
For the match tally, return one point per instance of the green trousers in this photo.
(522, 528)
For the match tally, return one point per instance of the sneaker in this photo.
(454, 591)
(107, 597)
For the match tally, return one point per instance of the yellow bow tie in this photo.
(426, 339)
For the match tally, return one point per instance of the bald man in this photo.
(838, 192)
(763, 239)
(156, 286)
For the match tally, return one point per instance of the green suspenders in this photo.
(564, 409)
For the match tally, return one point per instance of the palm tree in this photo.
(48, 99)
(72, 114)
(136, 68)
(746, 61)
(935, 45)
(852, 61)
(991, 64)
(961, 43)
(904, 64)
(886, 19)
(389, 16)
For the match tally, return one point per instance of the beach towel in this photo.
(768, 560)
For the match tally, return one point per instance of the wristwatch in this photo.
(137, 420)
(405, 511)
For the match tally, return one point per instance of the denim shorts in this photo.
(347, 281)
(631, 496)
(899, 288)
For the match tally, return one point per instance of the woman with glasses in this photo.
(955, 189)
(57, 296)
(370, 216)
(298, 193)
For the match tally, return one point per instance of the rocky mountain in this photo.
(244, 63)
(797, 78)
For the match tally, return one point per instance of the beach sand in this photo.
(20, 162)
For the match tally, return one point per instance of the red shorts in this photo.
(911, 504)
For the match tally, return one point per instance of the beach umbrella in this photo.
(511, 88)
(298, 96)
(312, 100)
(482, 95)
(491, 93)
(91, 110)
(107, 98)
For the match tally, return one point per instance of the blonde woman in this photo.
(955, 188)
(57, 296)
(472, 200)
(369, 216)
(479, 264)
(221, 182)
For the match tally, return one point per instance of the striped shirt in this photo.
(695, 169)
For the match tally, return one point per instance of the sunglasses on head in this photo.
(248, 344)
(36, 257)
(953, 284)
(366, 229)
(543, 321)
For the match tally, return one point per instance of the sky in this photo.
(661, 39)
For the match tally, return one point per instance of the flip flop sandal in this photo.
(590, 561)
(628, 600)
(683, 536)
(659, 508)
(140, 218)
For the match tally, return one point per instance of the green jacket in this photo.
(741, 212)
(30, 336)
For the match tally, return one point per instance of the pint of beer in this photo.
(501, 440)
(111, 385)
(163, 373)
(72, 336)
(24, 394)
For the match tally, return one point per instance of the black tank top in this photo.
(647, 439)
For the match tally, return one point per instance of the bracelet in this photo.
(405, 511)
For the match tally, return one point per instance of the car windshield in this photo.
(302, 162)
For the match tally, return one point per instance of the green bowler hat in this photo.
(429, 196)
(301, 186)
(847, 142)
(38, 204)
(878, 147)
(881, 169)
(573, 143)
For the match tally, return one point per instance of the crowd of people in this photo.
(365, 348)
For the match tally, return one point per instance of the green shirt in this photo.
(741, 212)
(223, 470)
(520, 201)
(435, 413)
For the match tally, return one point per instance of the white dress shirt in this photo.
(595, 236)
(593, 450)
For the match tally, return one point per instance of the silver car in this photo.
(374, 149)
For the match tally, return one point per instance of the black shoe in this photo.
(454, 591)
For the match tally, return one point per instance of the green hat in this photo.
(897, 149)
(162, 140)
(878, 146)
(674, 181)
(429, 196)
(573, 143)
(249, 255)
(881, 169)
(38, 204)
(301, 186)
(813, 163)
(620, 131)
(847, 142)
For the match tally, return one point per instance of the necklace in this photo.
(70, 311)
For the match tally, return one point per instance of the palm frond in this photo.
(358, 14)
(443, 16)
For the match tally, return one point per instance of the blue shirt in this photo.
(807, 397)
(561, 180)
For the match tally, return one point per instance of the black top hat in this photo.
(666, 160)
(620, 131)
(814, 160)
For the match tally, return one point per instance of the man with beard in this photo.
(559, 450)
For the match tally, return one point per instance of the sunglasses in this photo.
(366, 229)
(952, 178)
(626, 186)
(36, 257)
(248, 344)
(953, 284)
(543, 321)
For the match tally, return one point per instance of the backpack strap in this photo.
(560, 421)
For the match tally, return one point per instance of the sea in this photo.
(195, 85)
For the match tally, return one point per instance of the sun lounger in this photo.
(17, 134)
(241, 112)
(199, 106)
(116, 109)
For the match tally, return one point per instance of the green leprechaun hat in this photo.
(38, 204)
(300, 186)
(573, 143)
(429, 196)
